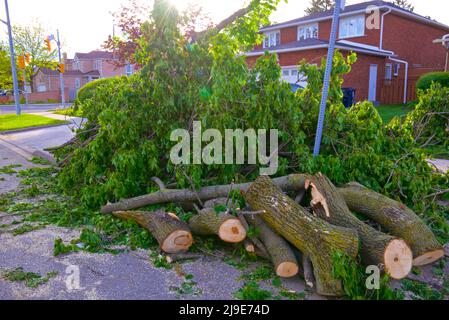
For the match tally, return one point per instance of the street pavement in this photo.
(31, 108)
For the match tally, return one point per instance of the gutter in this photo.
(382, 28)
(406, 76)
(355, 12)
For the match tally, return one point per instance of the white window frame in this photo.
(388, 74)
(307, 26)
(345, 34)
(77, 83)
(272, 39)
(129, 69)
(396, 69)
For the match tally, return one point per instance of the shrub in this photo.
(425, 81)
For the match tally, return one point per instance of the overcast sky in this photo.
(85, 24)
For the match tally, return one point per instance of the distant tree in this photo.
(319, 6)
(5, 69)
(30, 39)
(129, 19)
(404, 4)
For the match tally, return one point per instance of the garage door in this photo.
(291, 75)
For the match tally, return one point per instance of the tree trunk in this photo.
(377, 248)
(293, 182)
(172, 234)
(397, 219)
(227, 227)
(283, 258)
(313, 236)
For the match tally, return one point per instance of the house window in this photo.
(77, 83)
(388, 71)
(308, 32)
(128, 69)
(77, 65)
(352, 27)
(272, 39)
(397, 67)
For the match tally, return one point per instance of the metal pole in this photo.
(61, 76)
(327, 75)
(13, 61)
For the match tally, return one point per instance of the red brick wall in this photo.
(35, 97)
(412, 41)
(289, 34)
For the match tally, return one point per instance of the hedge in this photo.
(426, 80)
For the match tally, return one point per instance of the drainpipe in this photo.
(382, 28)
(446, 40)
(406, 76)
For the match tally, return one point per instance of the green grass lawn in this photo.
(68, 112)
(13, 122)
(388, 112)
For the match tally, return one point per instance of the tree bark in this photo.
(172, 234)
(377, 248)
(227, 227)
(172, 258)
(292, 182)
(283, 258)
(311, 235)
(397, 219)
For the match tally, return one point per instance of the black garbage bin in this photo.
(348, 97)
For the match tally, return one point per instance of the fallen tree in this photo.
(377, 248)
(397, 219)
(172, 234)
(311, 235)
(283, 258)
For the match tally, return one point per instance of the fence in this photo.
(392, 91)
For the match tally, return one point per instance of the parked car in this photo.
(3, 92)
(10, 92)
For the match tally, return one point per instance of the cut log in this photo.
(259, 248)
(249, 246)
(397, 219)
(311, 235)
(293, 182)
(377, 248)
(227, 227)
(283, 258)
(172, 234)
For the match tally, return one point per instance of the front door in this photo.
(372, 83)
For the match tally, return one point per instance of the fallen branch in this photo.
(294, 182)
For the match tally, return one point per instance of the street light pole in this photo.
(339, 5)
(61, 76)
(13, 61)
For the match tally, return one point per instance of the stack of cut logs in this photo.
(287, 232)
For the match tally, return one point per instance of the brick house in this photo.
(82, 69)
(394, 47)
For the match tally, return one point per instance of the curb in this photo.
(3, 133)
(26, 152)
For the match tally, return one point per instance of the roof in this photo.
(94, 55)
(310, 44)
(50, 72)
(359, 7)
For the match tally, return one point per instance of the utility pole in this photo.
(61, 76)
(13, 60)
(339, 6)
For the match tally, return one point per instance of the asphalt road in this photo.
(31, 108)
